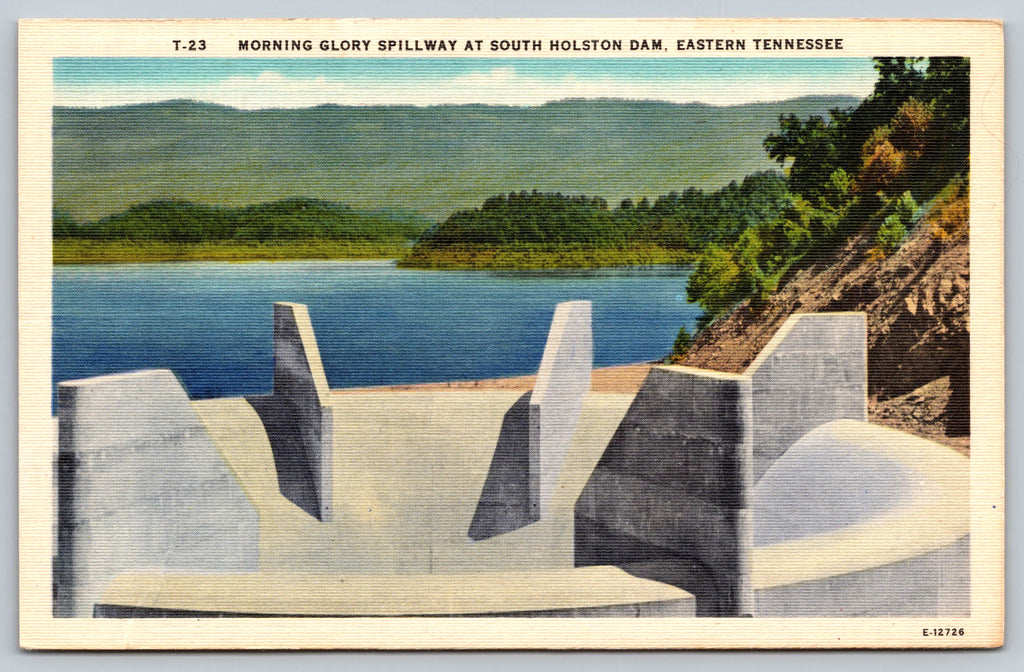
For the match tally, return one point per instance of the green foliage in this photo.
(526, 256)
(682, 343)
(909, 137)
(686, 221)
(890, 234)
(894, 227)
(63, 223)
(530, 218)
(295, 219)
(905, 207)
(752, 264)
(838, 188)
(718, 282)
(815, 148)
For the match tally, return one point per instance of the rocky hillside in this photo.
(916, 300)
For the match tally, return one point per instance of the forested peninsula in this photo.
(545, 230)
(296, 228)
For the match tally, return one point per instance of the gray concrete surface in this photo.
(568, 591)
(563, 382)
(504, 504)
(446, 484)
(141, 487)
(291, 459)
(410, 468)
(669, 498)
(823, 483)
(299, 412)
(677, 608)
(813, 371)
(931, 584)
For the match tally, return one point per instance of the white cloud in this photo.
(497, 86)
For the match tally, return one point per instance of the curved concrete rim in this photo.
(370, 595)
(935, 515)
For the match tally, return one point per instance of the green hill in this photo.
(295, 228)
(289, 219)
(434, 160)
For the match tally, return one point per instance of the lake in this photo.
(211, 322)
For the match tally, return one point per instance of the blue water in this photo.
(211, 322)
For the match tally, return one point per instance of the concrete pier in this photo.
(537, 431)
(141, 487)
(813, 371)
(670, 497)
(563, 382)
(298, 416)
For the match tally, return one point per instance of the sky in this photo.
(255, 83)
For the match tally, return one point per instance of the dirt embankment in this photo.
(916, 301)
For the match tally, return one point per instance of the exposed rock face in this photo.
(921, 412)
(917, 303)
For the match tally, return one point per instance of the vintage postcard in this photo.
(511, 334)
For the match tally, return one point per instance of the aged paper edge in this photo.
(42, 40)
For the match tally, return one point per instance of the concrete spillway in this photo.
(429, 503)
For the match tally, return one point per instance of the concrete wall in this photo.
(669, 498)
(813, 371)
(300, 383)
(563, 382)
(931, 584)
(504, 504)
(141, 487)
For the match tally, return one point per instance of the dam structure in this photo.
(766, 493)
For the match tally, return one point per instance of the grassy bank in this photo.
(526, 257)
(79, 251)
(461, 257)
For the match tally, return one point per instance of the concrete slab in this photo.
(877, 562)
(936, 583)
(141, 486)
(822, 484)
(505, 502)
(416, 462)
(410, 471)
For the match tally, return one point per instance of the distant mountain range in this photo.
(434, 160)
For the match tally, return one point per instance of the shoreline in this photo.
(87, 252)
(90, 253)
(622, 378)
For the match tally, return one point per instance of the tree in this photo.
(811, 145)
(64, 225)
(718, 282)
(681, 344)
(894, 228)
